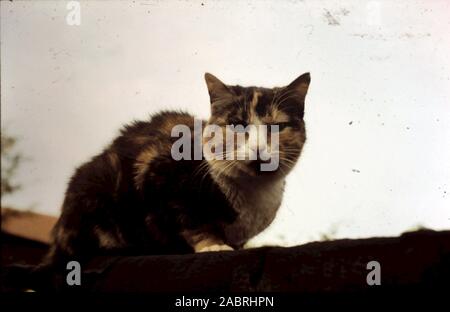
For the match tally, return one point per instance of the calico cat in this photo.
(135, 198)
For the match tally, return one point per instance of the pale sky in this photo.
(377, 160)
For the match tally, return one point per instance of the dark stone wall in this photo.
(413, 263)
(21, 250)
(416, 260)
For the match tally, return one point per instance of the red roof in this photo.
(26, 224)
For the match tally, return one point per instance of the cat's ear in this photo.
(300, 86)
(216, 88)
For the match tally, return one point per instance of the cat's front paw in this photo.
(215, 247)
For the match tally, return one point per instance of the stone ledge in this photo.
(419, 260)
(411, 263)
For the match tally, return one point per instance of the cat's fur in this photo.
(136, 198)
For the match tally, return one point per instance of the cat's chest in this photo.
(256, 205)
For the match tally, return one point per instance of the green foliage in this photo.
(331, 233)
(10, 162)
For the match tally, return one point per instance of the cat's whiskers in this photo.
(204, 165)
(213, 165)
(234, 164)
(225, 167)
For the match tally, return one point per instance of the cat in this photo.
(136, 199)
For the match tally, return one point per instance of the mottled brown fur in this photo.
(135, 198)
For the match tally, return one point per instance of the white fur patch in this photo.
(215, 247)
